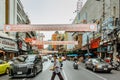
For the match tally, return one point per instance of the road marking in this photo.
(64, 74)
(94, 73)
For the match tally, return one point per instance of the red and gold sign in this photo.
(95, 43)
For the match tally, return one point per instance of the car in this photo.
(52, 60)
(19, 58)
(45, 58)
(4, 67)
(97, 64)
(26, 68)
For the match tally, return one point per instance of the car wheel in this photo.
(94, 69)
(7, 71)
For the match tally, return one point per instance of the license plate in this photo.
(105, 68)
(19, 72)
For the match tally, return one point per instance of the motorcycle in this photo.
(115, 65)
(75, 65)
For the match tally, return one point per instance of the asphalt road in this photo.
(70, 74)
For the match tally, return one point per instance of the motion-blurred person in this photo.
(61, 62)
(56, 69)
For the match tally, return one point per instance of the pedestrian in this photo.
(61, 62)
(56, 69)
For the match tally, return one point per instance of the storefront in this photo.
(106, 49)
(8, 48)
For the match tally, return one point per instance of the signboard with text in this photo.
(7, 44)
(51, 27)
(35, 42)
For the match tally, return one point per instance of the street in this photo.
(70, 74)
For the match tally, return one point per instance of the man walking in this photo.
(56, 69)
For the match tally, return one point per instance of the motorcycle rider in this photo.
(76, 62)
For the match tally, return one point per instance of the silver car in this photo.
(97, 64)
(26, 68)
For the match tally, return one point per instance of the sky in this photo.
(50, 12)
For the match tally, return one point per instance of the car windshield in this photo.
(97, 60)
(29, 59)
(1, 61)
(18, 59)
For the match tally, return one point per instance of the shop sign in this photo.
(7, 44)
(95, 43)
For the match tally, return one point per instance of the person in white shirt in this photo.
(56, 69)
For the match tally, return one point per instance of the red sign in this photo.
(95, 43)
(40, 46)
(29, 39)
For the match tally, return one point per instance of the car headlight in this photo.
(109, 66)
(11, 65)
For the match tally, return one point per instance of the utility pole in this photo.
(103, 10)
(88, 45)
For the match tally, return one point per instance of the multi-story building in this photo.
(12, 12)
(40, 37)
(61, 37)
(68, 37)
(105, 13)
(54, 38)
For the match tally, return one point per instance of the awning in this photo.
(72, 55)
(88, 54)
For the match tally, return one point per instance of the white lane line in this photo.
(94, 74)
(65, 76)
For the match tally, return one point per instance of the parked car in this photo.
(52, 60)
(45, 58)
(30, 67)
(4, 67)
(97, 64)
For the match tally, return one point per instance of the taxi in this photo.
(4, 67)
